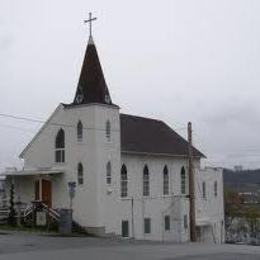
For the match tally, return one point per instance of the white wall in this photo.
(93, 152)
(211, 208)
(155, 206)
(98, 205)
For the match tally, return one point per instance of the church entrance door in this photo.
(47, 193)
(43, 191)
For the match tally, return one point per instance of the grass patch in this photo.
(26, 229)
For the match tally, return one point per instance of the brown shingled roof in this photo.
(145, 135)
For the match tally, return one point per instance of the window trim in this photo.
(80, 174)
(166, 181)
(183, 181)
(125, 221)
(148, 221)
(123, 182)
(215, 188)
(79, 131)
(204, 190)
(146, 181)
(167, 224)
(59, 155)
(108, 173)
(185, 221)
(108, 131)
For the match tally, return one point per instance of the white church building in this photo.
(131, 172)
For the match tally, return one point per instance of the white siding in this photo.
(98, 205)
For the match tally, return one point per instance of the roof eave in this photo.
(160, 154)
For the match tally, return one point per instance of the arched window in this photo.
(185, 221)
(108, 177)
(79, 131)
(183, 181)
(108, 130)
(80, 174)
(215, 188)
(124, 189)
(146, 181)
(60, 147)
(204, 190)
(165, 180)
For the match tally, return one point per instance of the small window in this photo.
(204, 190)
(215, 188)
(124, 189)
(60, 147)
(125, 228)
(108, 130)
(183, 181)
(79, 131)
(80, 174)
(167, 223)
(146, 181)
(185, 221)
(147, 225)
(165, 181)
(108, 177)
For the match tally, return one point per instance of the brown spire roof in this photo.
(92, 86)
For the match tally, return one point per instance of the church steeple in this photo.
(92, 87)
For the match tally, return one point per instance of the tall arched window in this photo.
(146, 181)
(108, 130)
(79, 131)
(166, 185)
(60, 146)
(80, 174)
(183, 181)
(108, 174)
(215, 188)
(204, 194)
(124, 189)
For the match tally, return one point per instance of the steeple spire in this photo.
(92, 86)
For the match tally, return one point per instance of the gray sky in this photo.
(180, 61)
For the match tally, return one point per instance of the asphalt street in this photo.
(14, 246)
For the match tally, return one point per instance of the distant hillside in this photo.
(243, 180)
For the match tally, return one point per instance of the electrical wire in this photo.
(33, 120)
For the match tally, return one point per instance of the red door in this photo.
(47, 193)
(37, 190)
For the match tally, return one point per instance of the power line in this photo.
(52, 124)
(33, 120)
(22, 118)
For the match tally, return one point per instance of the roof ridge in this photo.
(141, 117)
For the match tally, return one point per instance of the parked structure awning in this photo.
(33, 172)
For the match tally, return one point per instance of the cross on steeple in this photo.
(90, 19)
(92, 87)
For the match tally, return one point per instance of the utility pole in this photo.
(132, 211)
(193, 237)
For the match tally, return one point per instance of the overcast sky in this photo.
(178, 61)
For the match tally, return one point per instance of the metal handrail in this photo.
(53, 213)
(28, 210)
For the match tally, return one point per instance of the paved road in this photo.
(38, 247)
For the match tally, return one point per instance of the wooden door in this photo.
(47, 193)
(37, 190)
